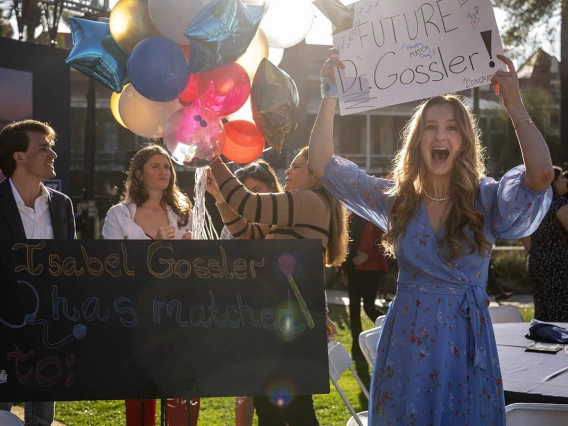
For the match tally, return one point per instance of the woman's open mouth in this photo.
(440, 154)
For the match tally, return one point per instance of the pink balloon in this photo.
(224, 90)
(194, 136)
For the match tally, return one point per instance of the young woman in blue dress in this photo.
(437, 360)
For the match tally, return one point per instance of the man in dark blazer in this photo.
(30, 210)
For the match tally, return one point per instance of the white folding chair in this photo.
(379, 321)
(363, 417)
(525, 414)
(339, 361)
(9, 419)
(368, 341)
(505, 313)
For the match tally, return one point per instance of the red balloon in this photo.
(224, 90)
(243, 142)
(190, 92)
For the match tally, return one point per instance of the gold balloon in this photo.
(130, 23)
(144, 117)
(256, 52)
(114, 98)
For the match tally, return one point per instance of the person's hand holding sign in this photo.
(327, 74)
(533, 146)
(507, 82)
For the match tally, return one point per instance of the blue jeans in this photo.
(35, 413)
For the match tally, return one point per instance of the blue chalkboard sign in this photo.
(161, 319)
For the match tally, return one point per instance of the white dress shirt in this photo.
(37, 221)
(120, 225)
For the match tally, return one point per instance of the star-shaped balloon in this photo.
(96, 54)
(221, 32)
(274, 101)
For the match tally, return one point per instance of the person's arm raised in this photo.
(538, 164)
(321, 139)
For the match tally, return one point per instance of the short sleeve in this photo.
(515, 210)
(364, 195)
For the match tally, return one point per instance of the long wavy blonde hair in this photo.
(134, 188)
(410, 176)
(338, 239)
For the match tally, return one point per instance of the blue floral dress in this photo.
(437, 361)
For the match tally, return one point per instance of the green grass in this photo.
(330, 409)
(528, 313)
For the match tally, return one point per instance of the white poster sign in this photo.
(403, 50)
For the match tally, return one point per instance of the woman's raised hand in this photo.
(213, 187)
(327, 74)
(327, 67)
(506, 83)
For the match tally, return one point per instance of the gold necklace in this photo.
(443, 214)
(437, 199)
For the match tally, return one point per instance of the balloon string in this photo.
(203, 228)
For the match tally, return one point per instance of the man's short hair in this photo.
(14, 138)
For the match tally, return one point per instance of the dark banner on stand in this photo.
(85, 320)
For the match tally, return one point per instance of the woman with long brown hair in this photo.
(152, 207)
(304, 210)
(437, 359)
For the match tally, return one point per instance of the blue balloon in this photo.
(220, 33)
(158, 69)
(96, 54)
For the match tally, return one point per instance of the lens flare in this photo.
(281, 392)
(289, 320)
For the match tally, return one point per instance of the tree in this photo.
(506, 154)
(523, 16)
(28, 15)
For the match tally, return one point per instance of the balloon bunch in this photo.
(181, 70)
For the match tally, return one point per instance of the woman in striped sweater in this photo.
(306, 210)
(257, 177)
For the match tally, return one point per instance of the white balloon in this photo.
(287, 22)
(172, 17)
(244, 113)
(142, 116)
(275, 55)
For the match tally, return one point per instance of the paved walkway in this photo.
(339, 297)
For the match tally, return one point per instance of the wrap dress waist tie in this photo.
(473, 307)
